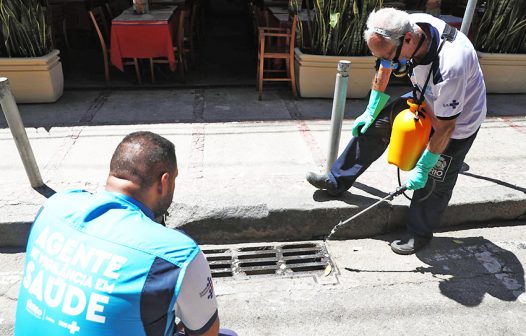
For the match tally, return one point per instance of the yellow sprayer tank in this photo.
(409, 137)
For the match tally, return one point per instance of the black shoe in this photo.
(322, 182)
(410, 244)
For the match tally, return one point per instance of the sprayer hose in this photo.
(409, 198)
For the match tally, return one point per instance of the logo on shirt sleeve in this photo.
(208, 290)
(453, 104)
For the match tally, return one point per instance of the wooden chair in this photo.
(269, 51)
(259, 19)
(180, 49)
(194, 27)
(100, 24)
(108, 13)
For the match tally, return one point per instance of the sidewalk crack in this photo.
(95, 107)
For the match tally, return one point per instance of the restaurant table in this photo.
(278, 18)
(144, 36)
(282, 18)
(278, 10)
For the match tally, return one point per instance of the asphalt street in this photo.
(467, 282)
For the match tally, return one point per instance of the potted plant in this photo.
(27, 57)
(336, 33)
(500, 41)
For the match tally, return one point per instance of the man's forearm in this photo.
(440, 138)
(381, 79)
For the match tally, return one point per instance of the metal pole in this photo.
(12, 115)
(468, 16)
(338, 108)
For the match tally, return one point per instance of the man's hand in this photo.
(418, 176)
(377, 102)
(438, 143)
(361, 124)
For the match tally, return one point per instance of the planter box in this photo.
(316, 75)
(34, 79)
(503, 73)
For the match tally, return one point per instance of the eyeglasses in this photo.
(393, 62)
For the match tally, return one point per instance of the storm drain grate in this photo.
(283, 259)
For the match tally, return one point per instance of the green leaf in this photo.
(25, 29)
(502, 28)
(335, 17)
(337, 26)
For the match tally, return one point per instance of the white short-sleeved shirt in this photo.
(456, 90)
(196, 304)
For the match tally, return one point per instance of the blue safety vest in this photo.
(97, 264)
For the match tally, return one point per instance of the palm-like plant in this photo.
(337, 26)
(502, 27)
(24, 29)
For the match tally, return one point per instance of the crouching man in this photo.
(98, 264)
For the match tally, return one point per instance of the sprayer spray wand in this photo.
(397, 192)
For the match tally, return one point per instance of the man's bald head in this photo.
(142, 157)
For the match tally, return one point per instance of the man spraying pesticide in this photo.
(409, 136)
(450, 96)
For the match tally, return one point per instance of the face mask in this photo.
(401, 67)
(392, 64)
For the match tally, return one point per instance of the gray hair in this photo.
(389, 23)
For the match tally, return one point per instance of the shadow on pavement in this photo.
(472, 267)
(469, 268)
(45, 191)
(12, 250)
(499, 182)
(347, 197)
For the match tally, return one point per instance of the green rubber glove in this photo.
(418, 176)
(377, 102)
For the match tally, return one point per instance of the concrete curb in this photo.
(297, 224)
(250, 224)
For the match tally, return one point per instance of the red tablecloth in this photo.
(142, 38)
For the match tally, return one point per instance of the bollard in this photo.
(338, 108)
(12, 115)
(468, 16)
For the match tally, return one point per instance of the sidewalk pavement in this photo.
(242, 163)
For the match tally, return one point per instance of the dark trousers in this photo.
(424, 213)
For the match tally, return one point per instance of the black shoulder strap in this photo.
(449, 34)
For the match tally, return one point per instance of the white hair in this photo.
(389, 23)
